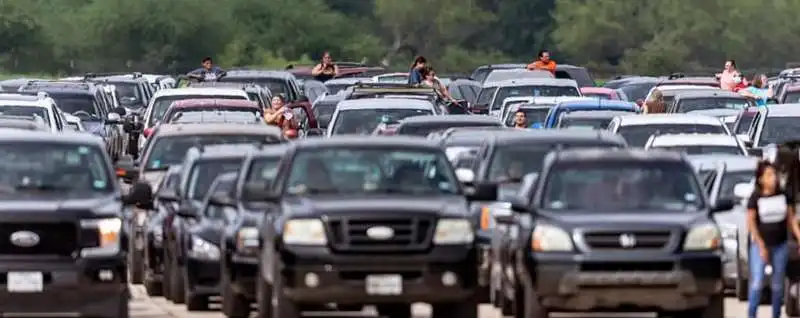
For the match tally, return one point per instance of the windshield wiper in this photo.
(43, 187)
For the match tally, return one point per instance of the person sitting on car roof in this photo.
(280, 115)
(415, 74)
(325, 70)
(543, 63)
(429, 79)
(208, 71)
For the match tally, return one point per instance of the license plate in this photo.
(25, 282)
(384, 284)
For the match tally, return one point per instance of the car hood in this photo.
(444, 206)
(632, 220)
(68, 209)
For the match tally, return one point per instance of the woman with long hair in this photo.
(415, 74)
(655, 104)
(770, 217)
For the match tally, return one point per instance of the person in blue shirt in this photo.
(415, 74)
(759, 91)
(208, 71)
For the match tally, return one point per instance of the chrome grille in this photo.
(57, 238)
(625, 240)
(410, 234)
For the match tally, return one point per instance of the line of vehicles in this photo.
(390, 196)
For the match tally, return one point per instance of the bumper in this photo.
(658, 282)
(243, 273)
(69, 287)
(370, 279)
(203, 276)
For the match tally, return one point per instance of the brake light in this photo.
(147, 132)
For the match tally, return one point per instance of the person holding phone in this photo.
(770, 217)
(325, 70)
(759, 91)
(207, 72)
(280, 115)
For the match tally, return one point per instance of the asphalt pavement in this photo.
(143, 306)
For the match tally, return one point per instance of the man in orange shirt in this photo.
(543, 62)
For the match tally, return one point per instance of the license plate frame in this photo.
(25, 282)
(384, 285)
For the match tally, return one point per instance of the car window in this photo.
(81, 106)
(364, 121)
(688, 105)
(275, 85)
(532, 90)
(598, 123)
(534, 115)
(204, 172)
(778, 130)
(634, 187)
(161, 104)
(597, 95)
(423, 129)
(215, 211)
(730, 179)
(128, 94)
(216, 117)
(512, 162)
(54, 168)
(167, 151)
(26, 111)
(792, 97)
(371, 171)
(323, 112)
(485, 96)
(637, 135)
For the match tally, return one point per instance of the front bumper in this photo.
(203, 276)
(342, 279)
(614, 280)
(71, 287)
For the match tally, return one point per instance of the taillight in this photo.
(147, 132)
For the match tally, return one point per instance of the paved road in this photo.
(146, 307)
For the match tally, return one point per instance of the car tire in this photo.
(176, 288)
(135, 264)
(194, 302)
(395, 310)
(123, 308)
(153, 288)
(532, 306)
(741, 289)
(263, 298)
(234, 305)
(281, 306)
(791, 301)
(166, 284)
(464, 309)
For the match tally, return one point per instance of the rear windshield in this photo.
(423, 129)
(637, 135)
(532, 90)
(81, 106)
(162, 103)
(275, 85)
(688, 105)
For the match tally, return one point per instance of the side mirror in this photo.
(506, 218)
(465, 176)
(723, 204)
(120, 111)
(257, 192)
(772, 101)
(519, 204)
(186, 211)
(756, 152)
(483, 192)
(167, 195)
(140, 195)
(743, 190)
(126, 169)
(221, 198)
(315, 132)
(113, 119)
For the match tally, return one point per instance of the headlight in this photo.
(728, 231)
(247, 239)
(453, 231)
(304, 232)
(702, 237)
(202, 249)
(108, 231)
(550, 238)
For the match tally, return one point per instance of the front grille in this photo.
(627, 239)
(58, 238)
(411, 234)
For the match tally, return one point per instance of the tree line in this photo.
(610, 36)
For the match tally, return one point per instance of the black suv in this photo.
(63, 244)
(151, 261)
(356, 221)
(614, 230)
(278, 82)
(132, 90)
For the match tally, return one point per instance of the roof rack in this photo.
(107, 74)
(61, 84)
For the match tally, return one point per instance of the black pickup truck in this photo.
(368, 221)
(614, 230)
(62, 244)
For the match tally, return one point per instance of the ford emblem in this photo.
(24, 239)
(380, 233)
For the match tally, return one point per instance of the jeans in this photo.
(778, 258)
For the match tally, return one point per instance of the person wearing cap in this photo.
(207, 72)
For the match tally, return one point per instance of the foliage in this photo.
(73, 36)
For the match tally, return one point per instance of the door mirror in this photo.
(257, 192)
(519, 204)
(465, 176)
(141, 195)
(186, 212)
(756, 152)
(315, 132)
(743, 190)
(126, 169)
(506, 218)
(483, 192)
(113, 119)
(120, 111)
(723, 204)
(167, 195)
(221, 198)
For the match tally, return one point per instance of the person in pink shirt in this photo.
(727, 79)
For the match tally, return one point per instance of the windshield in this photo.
(792, 97)
(263, 169)
(485, 96)
(688, 105)
(26, 111)
(637, 135)
(532, 90)
(589, 123)
(128, 94)
(423, 129)
(364, 121)
(275, 85)
(78, 105)
(161, 104)
(705, 150)
(597, 95)
(622, 187)
(323, 112)
(637, 91)
(399, 79)
(171, 150)
(743, 123)
(366, 171)
(61, 168)
(217, 117)
(334, 89)
(534, 115)
(204, 172)
(511, 163)
(730, 179)
(778, 130)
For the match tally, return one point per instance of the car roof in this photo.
(598, 90)
(367, 142)
(258, 73)
(234, 85)
(59, 87)
(683, 87)
(708, 93)
(594, 114)
(216, 129)
(532, 81)
(77, 138)
(732, 162)
(615, 155)
(218, 102)
(553, 136)
(681, 119)
(595, 103)
(497, 75)
(716, 112)
(348, 80)
(451, 119)
(271, 150)
(783, 110)
(22, 100)
(222, 151)
(692, 79)
(695, 140)
(201, 91)
(22, 124)
(379, 103)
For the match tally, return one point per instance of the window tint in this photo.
(204, 172)
(778, 130)
(731, 179)
(171, 150)
(743, 123)
(532, 90)
(598, 123)
(161, 105)
(38, 113)
(687, 105)
(364, 121)
(705, 150)
(637, 135)
(81, 106)
(275, 85)
(485, 96)
(534, 115)
(511, 163)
